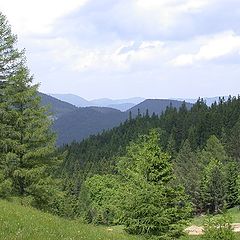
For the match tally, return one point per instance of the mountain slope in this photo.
(156, 106)
(57, 108)
(83, 122)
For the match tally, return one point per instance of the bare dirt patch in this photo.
(194, 230)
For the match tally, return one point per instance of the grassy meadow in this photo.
(19, 222)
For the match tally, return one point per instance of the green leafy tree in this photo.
(151, 205)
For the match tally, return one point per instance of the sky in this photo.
(130, 48)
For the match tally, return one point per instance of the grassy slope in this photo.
(18, 222)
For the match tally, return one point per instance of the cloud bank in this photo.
(123, 48)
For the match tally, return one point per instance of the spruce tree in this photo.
(214, 150)
(10, 59)
(27, 143)
(232, 184)
(234, 142)
(187, 171)
(151, 205)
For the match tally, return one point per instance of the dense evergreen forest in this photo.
(150, 174)
(97, 153)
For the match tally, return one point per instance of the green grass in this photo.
(19, 222)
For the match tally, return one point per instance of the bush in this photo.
(218, 228)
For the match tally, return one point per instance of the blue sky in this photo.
(127, 48)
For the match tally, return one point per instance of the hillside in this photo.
(83, 122)
(23, 223)
(57, 107)
(156, 106)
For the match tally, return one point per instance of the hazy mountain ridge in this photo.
(120, 104)
(209, 100)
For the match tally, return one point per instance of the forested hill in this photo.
(96, 154)
(156, 106)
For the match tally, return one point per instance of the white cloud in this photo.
(30, 16)
(214, 47)
(167, 12)
(119, 56)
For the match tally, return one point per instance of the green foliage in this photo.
(213, 191)
(104, 199)
(218, 229)
(238, 187)
(234, 142)
(213, 150)
(187, 169)
(231, 184)
(5, 186)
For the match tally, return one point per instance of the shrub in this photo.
(218, 228)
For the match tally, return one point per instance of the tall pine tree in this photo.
(27, 143)
(10, 60)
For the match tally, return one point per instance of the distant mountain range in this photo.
(120, 104)
(76, 123)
